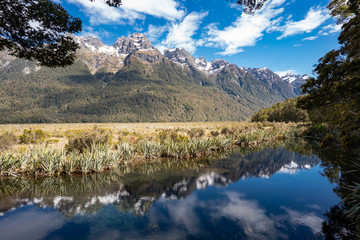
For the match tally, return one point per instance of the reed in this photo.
(353, 198)
(8, 163)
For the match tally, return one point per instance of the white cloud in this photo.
(154, 32)
(309, 38)
(31, 224)
(90, 31)
(275, 25)
(246, 30)
(331, 28)
(181, 33)
(248, 214)
(100, 13)
(159, 8)
(305, 219)
(35, 24)
(236, 6)
(286, 72)
(313, 19)
(255, 221)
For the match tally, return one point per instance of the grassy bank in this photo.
(55, 149)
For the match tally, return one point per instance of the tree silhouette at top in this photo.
(40, 30)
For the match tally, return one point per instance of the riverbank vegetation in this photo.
(286, 111)
(333, 97)
(89, 148)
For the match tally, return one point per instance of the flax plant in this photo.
(103, 156)
(8, 163)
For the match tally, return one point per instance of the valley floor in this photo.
(61, 132)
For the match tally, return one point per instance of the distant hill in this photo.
(132, 81)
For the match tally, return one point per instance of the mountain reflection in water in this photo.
(266, 194)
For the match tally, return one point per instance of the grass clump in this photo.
(227, 131)
(148, 149)
(214, 133)
(8, 140)
(196, 133)
(9, 164)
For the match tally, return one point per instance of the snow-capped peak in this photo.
(137, 41)
(90, 43)
(292, 77)
(217, 65)
(202, 64)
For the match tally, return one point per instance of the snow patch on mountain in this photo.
(292, 76)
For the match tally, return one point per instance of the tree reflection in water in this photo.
(343, 168)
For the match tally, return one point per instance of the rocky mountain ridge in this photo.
(106, 56)
(132, 81)
(98, 56)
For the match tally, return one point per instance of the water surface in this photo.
(274, 193)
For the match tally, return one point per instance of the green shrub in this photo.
(286, 111)
(33, 136)
(176, 137)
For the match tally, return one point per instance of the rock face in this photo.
(217, 65)
(265, 75)
(183, 58)
(145, 56)
(127, 45)
(180, 56)
(96, 55)
(5, 59)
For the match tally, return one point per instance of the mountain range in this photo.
(132, 81)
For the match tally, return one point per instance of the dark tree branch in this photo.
(39, 30)
(111, 3)
(250, 6)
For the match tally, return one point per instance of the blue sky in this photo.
(285, 35)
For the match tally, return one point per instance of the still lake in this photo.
(277, 192)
